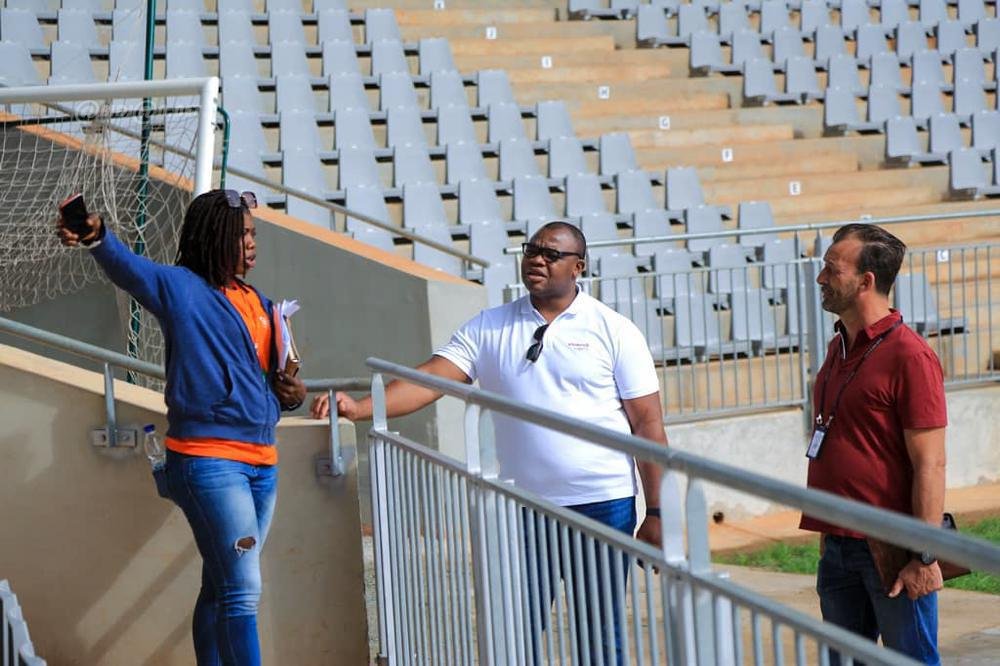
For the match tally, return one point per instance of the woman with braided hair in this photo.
(224, 396)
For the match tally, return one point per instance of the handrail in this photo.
(79, 348)
(897, 528)
(815, 226)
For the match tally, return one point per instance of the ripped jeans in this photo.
(229, 506)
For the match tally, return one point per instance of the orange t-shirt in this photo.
(258, 323)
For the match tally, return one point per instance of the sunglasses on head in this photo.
(535, 350)
(237, 200)
(551, 256)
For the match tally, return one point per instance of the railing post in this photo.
(677, 622)
(336, 458)
(815, 333)
(109, 405)
(380, 517)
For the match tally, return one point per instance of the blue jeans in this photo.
(591, 611)
(851, 596)
(229, 506)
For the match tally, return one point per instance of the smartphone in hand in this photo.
(74, 214)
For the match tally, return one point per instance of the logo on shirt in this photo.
(578, 346)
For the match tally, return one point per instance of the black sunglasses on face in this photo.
(237, 200)
(535, 350)
(551, 256)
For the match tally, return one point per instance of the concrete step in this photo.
(481, 30)
(689, 101)
(503, 46)
(720, 135)
(622, 57)
(807, 121)
(473, 15)
(826, 162)
(592, 74)
(846, 205)
(665, 92)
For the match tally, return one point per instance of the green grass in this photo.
(804, 559)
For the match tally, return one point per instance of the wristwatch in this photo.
(925, 558)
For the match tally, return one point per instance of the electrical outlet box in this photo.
(126, 438)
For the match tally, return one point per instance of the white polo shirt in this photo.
(592, 359)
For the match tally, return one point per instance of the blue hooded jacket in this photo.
(215, 385)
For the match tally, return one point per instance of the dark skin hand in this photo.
(70, 239)
(290, 390)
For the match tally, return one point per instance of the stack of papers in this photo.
(288, 353)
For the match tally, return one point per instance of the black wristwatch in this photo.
(653, 511)
(925, 558)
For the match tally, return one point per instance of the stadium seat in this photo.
(673, 276)
(368, 201)
(340, 57)
(504, 122)
(347, 91)
(786, 42)
(434, 54)
(436, 259)
(76, 26)
(778, 256)
(463, 160)
(729, 268)
(616, 154)
(455, 124)
(553, 121)
(404, 126)
(633, 192)
(294, 93)
(236, 28)
(870, 40)
(289, 59)
(911, 37)
(971, 12)
(853, 15)
(16, 67)
(492, 86)
(703, 219)
(732, 17)
(353, 129)
(388, 57)
(966, 173)
(284, 27)
(801, 81)
(125, 61)
(892, 13)
(357, 166)
(746, 47)
(651, 27)
(411, 164)
(71, 64)
(706, 53)
(334, 25)
(129, 24)
(422, 207)
(969, 98)
(759, 85)
(884, 71)
(842, 73)
(755, 215)
(301, 166)
(584, 196)
(753, 326)
(651, 223)
(914, 298)
(986, 130)
(566, 157)
(20, 26)
(950, 37)
(829, 42)
(447, 89)
(517, 158)
(380, 25)
(533, 204)
(696, 325)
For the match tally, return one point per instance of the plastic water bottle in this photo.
(152, 443)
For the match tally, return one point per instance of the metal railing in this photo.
(465, 561)
(16, 648)
(750, 337)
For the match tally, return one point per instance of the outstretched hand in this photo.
(346, 406)
(71, 238)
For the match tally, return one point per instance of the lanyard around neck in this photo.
(840, 392)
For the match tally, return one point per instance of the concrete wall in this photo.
(107, 572)
(774, 443)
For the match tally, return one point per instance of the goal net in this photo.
(53, 144)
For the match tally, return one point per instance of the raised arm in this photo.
(401, 398)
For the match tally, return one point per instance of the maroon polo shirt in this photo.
(899, 386)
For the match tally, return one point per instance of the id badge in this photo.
(816, 442)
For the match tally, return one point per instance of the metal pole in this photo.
(109, 406)
(225, 146)
(205, 152)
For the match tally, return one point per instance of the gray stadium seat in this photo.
(517, 158)
(673, 277)
(926, 101)
(650, 223)
(380, 25)
(971, 11)
(340, 58)
(691, 18)
(566, 157)
(243, 6)
(435, 56)
(236, 59)
(966, 173)
(411, 164)
(914, 298)
(932, 12)
(285, 27)
(16, 67)
(357, 166)
(76, 26)
(945, 135)
(853, 15)
(758, 82)
(801, 80)
(235, 27)
(501, 272)
(397, 91)
(696, 324)
(294, 93)
(289, 59)
(986, 130)
(950, 37)
(911, 38)
(706, 53)
(347, 91)
(892, 13)
(651, 27)
(353, 129)
(553, 120)
(927, 68)
(388, 57)
(786, 43)
(732, 17)
(729, 268)
(756, 215)
(599, 227)
(21, 27)
(71, 64)
(969, 64)
(746, 47)
(368, 201)
(703, 219)
(969, 98)
(773, 16)
(753, 321)
(492, 86)
(780, 254)
(532, 202)
(988, 34)
(842, 72)
(829, 43)
(683, 189)
(129, 24)
(125, 61)
(447, 89)
(584, 196)
(422, 207)
(464, 159)
(883, 103)
(185, 60)
(505, 122)
(813, 15)
(454, 124)
(240, 94)
(634, 192)
(404, 126)
(616, 154)
(902, 142)
(301, 166)
(328, 5)
(435, 258)
(884, 71)
(478, 204)
(334, 25)
(870, 40)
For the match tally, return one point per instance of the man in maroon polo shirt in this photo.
(878, 438)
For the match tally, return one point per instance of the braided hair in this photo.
(212, 238)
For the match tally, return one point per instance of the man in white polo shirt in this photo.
(559, 349)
